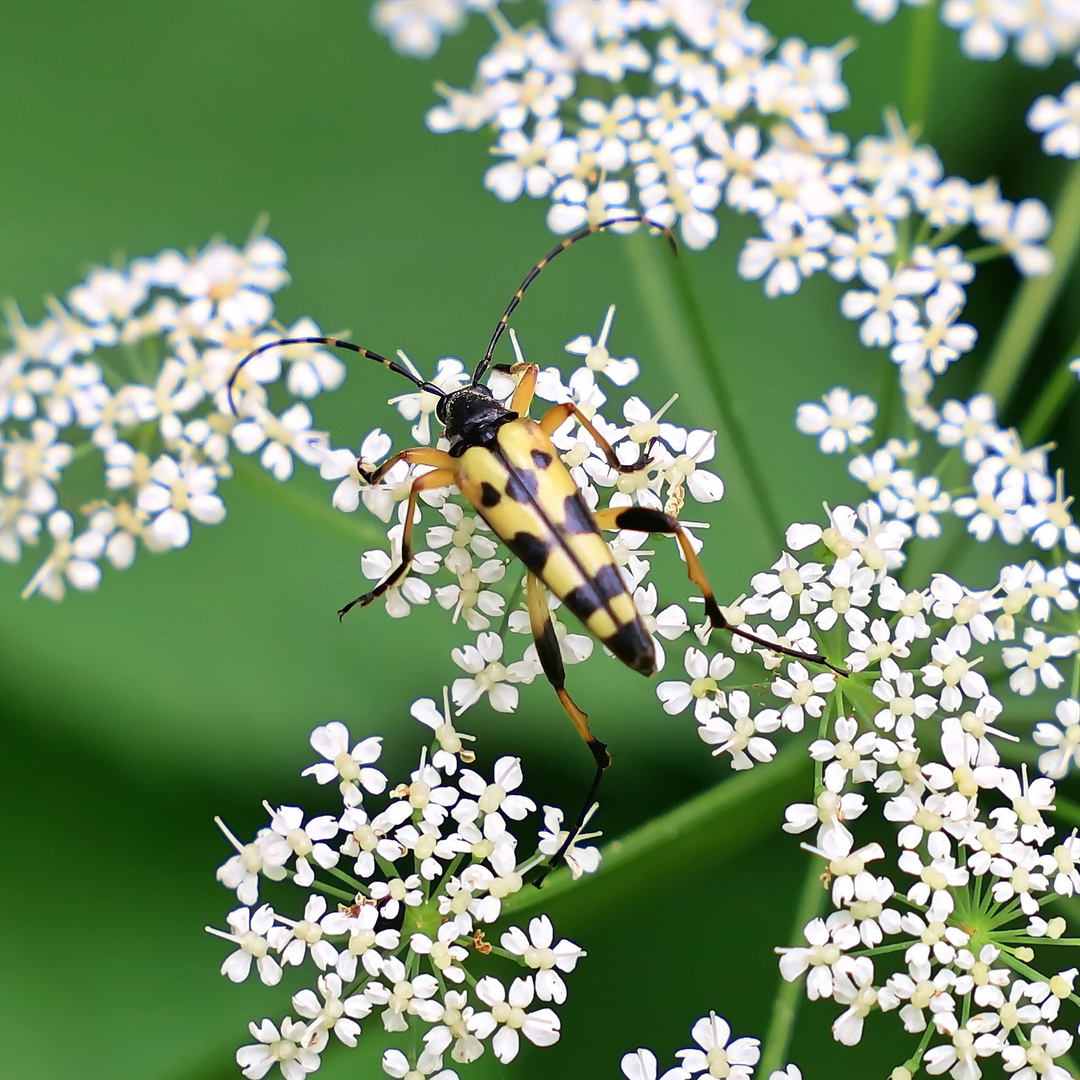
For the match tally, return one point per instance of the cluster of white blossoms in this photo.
(951, 922)
(1039, 30)
(115, 429)
(727, 119)
(402, 912)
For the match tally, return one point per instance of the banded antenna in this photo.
(534, 273)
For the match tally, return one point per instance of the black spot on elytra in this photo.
(522, 485)
(576, 516)
(608, 582)
(633, 646)
(541, 459)
(489, 496)
(584, 601)
(531, 550)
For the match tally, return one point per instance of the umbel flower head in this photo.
(401, 910)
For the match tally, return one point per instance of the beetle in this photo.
(506, 466)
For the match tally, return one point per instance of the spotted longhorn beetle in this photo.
(507, 467)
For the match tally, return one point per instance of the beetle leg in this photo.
(547, 649)
(417, 455)
(526, 389)
(434, 479)
(642, 519)
(555, 417)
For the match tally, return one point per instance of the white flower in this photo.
(278, 436)
(706, 675)
(716, 1054)
(295, 939)
(416, 29)
(597, 357)
(1018, 229)
(739, 736)
(508, 1017)
(843, 420)
(332, 1013)
(787, 256)
(803, 693)
(249, 932)
(351, 767)
(884, 306)
(542, 956)
(288, 836)
(177, 489)
(1059, 119)
(497, 797)
(641, 1065)
(1055, 763)
(241, 871)
(580, 859)
(291, 1048)
(1031, 664)
(483, 661)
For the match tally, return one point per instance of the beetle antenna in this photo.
(482, 367)
(336, 343)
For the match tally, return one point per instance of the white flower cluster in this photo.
(1010, 492)
(671, 152)
(131, 369)
(1039, 30)
(420, 883)
(954, 927)
(727, 120)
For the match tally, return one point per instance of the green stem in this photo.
(788, 997)
(682, 339)
(290, 498)
(920, 65)
(1035, 298)
(1054, 397)
(689, 819)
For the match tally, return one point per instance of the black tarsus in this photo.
(555, 859)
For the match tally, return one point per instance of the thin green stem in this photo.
(689, 355)
(290, 498)
(1054, 397)
(920, 65)
(1035, 298)
(691, 818)
(788, 997)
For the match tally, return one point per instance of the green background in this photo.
(188, 686)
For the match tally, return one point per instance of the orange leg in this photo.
(555, 417)
(642, 519)
(437, 478)
(526, 389)
(547, 648)
(416, 455)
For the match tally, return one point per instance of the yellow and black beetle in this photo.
(506, 466)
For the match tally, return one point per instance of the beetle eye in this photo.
(440, 408)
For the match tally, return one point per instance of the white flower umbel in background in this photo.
(132, 371)
(400, 911)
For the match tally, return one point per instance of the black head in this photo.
(472, 416)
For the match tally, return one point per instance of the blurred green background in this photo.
(188, 686)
